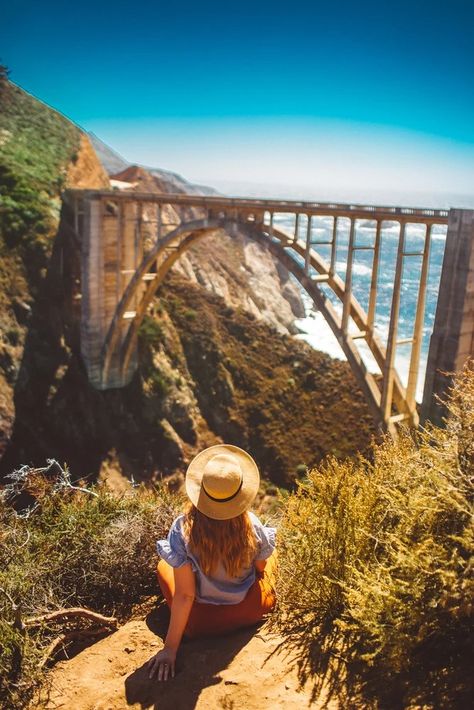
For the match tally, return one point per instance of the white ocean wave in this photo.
(320, 336)
(416, 229)
(358, 269)
(326, 221)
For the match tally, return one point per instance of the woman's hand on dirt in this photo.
(162, 664)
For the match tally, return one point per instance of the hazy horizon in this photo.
(331, 162)
(380, 197)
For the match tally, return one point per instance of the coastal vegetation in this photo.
(375, 566)
(69, 547)
(376, 579)
(36, 146)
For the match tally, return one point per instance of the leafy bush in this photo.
(159, 382)
(72, 547)
(151, 332)
(36, 145)
(375, 583)
(25, 212)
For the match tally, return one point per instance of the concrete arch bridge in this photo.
(129, 242)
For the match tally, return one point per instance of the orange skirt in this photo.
(216, 619)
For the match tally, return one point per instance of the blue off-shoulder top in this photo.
(218, 588)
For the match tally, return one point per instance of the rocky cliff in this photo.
(236, 268)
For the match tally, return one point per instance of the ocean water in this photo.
(315, 329)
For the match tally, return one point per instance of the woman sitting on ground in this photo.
(217, 562)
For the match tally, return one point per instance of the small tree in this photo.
(4, 72)
(4, 83)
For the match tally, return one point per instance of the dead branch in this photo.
(4, 591)
(15, 551)
(68, 613)
(20, 478)
(68, 637)
(17, 622)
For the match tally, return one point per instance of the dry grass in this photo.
(70, 547)
(376, 585)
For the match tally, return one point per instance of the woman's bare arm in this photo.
(163, 662)
(185, 591)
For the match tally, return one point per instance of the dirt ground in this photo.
(244, 670)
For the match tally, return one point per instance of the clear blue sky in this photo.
(317, 94)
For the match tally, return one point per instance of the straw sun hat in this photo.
(222, 481)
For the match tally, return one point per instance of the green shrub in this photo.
(375, 583)
(190, 314)
(160, 383)
(301, 470)
(36, 145)
(151, 332)
(73, 547)
(25, 216)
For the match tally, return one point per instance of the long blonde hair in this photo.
(233, 541)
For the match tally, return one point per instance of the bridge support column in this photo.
(452, 341)
(91, 287)
(110, 252)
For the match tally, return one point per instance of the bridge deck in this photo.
(351, 210)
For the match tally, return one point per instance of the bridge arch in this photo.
(167, 251)
(129, 241)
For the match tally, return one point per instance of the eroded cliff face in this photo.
(242, 272)
(86, 170)
(252, 385)
(245, 275)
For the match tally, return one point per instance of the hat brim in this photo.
(244, 498)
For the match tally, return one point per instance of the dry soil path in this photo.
(244, 671)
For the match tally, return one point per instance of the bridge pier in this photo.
(111, 249)
(452, 341)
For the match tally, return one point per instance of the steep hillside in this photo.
(208, 372)
(265, 391)
(41, 153)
